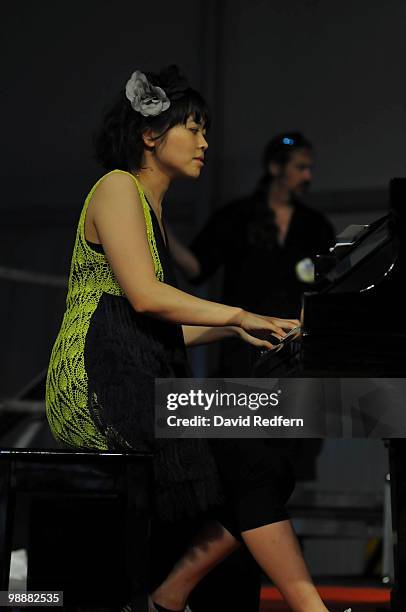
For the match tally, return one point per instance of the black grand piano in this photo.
(353, 327)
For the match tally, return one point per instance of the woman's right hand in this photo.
(254, 329)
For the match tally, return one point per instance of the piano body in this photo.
(353, 327)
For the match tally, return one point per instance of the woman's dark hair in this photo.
(119, 144)
(279, 150)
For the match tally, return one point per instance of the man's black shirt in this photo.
(259, 273)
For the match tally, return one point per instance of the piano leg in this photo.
(397, 461)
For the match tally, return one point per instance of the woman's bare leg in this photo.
(212, 544)
(274, 547)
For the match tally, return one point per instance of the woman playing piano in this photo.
(126, 323)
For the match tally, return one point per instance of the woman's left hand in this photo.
(260, 342)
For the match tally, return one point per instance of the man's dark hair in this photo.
(279, 150)
(119, 144)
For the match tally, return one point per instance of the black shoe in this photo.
(154, 607)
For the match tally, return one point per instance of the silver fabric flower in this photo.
(145, 98)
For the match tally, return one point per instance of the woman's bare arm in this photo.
(117, 215)
(119, 220)
(195, 335)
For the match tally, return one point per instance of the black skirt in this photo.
(257, 477)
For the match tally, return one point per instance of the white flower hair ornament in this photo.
(145, 98)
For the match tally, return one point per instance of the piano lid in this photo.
(366, 256)
(368, 261)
